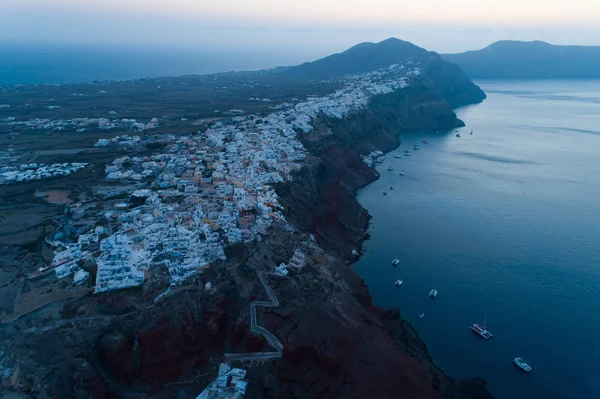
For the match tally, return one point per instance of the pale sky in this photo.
(315, 27)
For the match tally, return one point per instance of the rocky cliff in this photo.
(370, 352)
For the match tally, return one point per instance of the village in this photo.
(182, 205)
(210, 190)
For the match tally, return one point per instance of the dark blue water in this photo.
(504, 222)
(60, 64)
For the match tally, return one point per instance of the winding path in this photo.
(255, 328)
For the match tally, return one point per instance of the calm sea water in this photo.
(504, 222)
(60, 64)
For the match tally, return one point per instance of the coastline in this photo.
(340, 224)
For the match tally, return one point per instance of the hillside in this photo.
(444, 77)
(531, 60)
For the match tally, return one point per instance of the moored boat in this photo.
(399, 283)
(522, 364)
(395, 262)
(433, 293)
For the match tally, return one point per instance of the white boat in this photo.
(390, 169)
(421, 315)
(401, 173)
(398, 157)
(522, 364)
(416, 147)
(395, 262)
(399, 283)
(407, 154)
(433, 293)
(391, 187)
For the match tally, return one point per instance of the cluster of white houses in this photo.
(80, 124)
(34, 171)
(216, 188)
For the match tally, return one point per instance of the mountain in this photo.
(446, 78)
(535, 60)
(363, 57)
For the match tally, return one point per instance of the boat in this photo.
(522, 364)
(402, 173)
(407, 154)
(399, 283)
(391, 187)
(421, 315)
(416, 147)
(471, 132)
(384, 193)
(395, 262)
(457, 134)
(433, 293)
(390, 169)
(425, 142)
(397, 156)
(481, 331)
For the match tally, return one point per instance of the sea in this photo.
(33, 64)
(505, 224)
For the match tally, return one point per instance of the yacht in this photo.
(407, 154)
(481, 330)
(433, 293)
(416, 147)
(391, 187)
(425, 142)
(522, 364)
(421, 315)
(390, 169)
(397, 156)
(399, 283)
(384, 193)
(395, 262)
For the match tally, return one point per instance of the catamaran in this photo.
(481, 331)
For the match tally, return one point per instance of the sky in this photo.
(304, 29)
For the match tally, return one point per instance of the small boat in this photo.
(391, 187)
(395, 262)
(522, 364)
(397, 156)
(471, 132)
(416, 147)
(457, 134)
(421, 315)
(390, 169)
(425, 142)
(399, 283)
(433, 293)
(407, 154)
(481, 331)
(384, 193)
(402, 173)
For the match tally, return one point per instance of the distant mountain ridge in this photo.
(532, 60)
